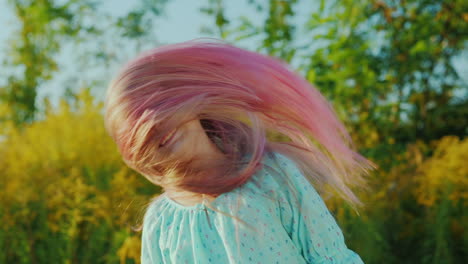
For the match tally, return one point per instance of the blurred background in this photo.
(395, 71)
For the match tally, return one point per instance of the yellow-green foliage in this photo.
(445, 172)
(419, 204)
(63, 176)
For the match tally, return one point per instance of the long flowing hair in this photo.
(239, 96)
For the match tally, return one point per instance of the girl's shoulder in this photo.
(278, 168)
(153, 209)
(268, 178)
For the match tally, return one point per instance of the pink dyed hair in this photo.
(224, 86)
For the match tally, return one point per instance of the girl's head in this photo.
(222, 100)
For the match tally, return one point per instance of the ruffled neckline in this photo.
(169, 200)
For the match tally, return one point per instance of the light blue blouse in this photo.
(288, 227)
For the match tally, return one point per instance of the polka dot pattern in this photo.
(282, 225)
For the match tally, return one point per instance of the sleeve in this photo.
(312, 228)
(150, 253)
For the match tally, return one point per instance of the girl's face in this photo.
(191, 140)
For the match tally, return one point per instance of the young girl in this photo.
(193, 118)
